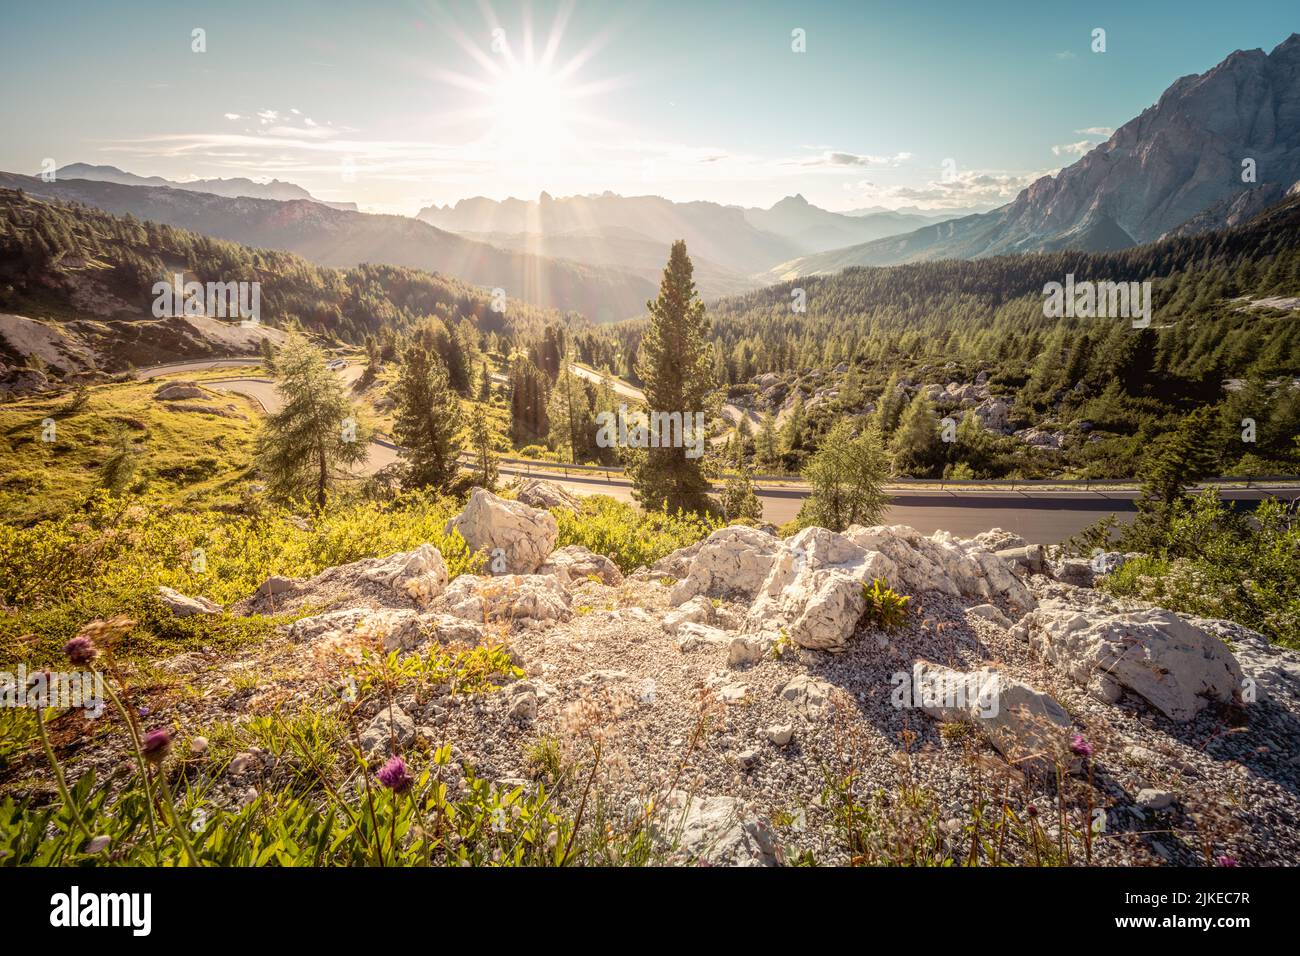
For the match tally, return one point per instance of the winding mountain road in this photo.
(1040, 516)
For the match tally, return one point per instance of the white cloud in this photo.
(1073, 149)
(1105, 132)
(839, 158)
(232, 116)
(965, 190)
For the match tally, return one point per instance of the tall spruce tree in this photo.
(675, 363)
(310, 444)
(427, 418)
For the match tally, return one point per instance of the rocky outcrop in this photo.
(177, 391)
(813, 591)
(575, 563)
(521, 537)
(508, 598)
(732, 561)
(1174, 665)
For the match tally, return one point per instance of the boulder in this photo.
(941, 563)
(1174, 665)
(813, 590)
(525, 536)
(1029, 557)
(731, 561)
(420, 574)
(575, 563)
(1269, 671)
(183, 606)
(537, 493)
(1026, 726)
(744, 650)
(508, 598)
(715, 831)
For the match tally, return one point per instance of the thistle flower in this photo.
(1080, 747)
(156, 745)
(393, 775)
(1226, 861)
(81, 650)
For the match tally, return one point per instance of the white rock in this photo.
(732, 560)
(537, 493)
(990, 612)
(744, 650)
(420, 574)
(1026, 726)
(694, 637)
(698, 610)
(1177, 667)
(525, 536)
(575, 563)
(1152, 799)
(511, 597)
(716, 830)
(183, 606)
(780, 734)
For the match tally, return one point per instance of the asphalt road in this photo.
(1040, 517)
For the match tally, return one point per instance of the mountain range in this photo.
(341, 238)
(1180, 164)
(231, 188)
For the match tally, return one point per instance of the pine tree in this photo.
(916, 445)
(485, 383)
(676, 367)
(427, 419)
(480, 436)
(847, 475)
(1178, 459)
(308, 446)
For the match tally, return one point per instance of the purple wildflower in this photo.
(156, 745)
(80, 650)
(393, 775)
(1080, 747)
(1226, 861)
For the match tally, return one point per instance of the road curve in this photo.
(1040, 517)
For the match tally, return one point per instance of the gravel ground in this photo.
(672, 719)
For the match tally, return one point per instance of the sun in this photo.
(533, 111)
(527, 105)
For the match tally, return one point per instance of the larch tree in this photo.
(315, 439)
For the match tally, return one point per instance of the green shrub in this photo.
(886, 609)
(629, 537)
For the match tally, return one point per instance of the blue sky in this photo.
(395, 105)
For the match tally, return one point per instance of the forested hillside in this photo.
(69, 262)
